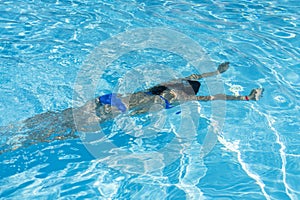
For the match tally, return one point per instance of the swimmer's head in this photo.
(195, 85)
(157, 90)
(188, 86)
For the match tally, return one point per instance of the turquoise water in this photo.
(44, 45)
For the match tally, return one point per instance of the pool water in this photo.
(45, 46)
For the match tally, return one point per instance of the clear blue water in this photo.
(44, 44)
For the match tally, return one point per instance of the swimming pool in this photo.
(45, 45)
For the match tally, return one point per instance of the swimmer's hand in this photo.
(223, 67)
(256, 94)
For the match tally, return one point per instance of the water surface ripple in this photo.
(43, 44)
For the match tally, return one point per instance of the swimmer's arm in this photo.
(255, 95)
(222, 68)
(220, 97)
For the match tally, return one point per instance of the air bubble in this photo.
(236, 89)
(280, 99)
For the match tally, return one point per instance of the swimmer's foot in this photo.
(223, 67)
(256, 94)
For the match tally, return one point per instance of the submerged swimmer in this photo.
(52, 125)
(168, 94)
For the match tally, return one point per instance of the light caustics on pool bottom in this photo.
(256, 157)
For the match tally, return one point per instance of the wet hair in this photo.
(195, 85)
(158, 90)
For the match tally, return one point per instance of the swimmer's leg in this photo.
(255, 95)
(222, 68)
